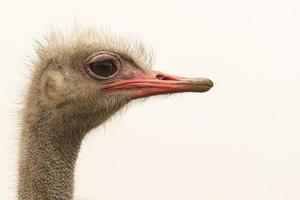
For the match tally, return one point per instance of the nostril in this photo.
(162, 77)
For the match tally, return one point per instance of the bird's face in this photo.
(96, 84)
(116, 74)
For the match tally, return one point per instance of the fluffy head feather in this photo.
(57, 43)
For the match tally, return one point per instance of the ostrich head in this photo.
(78, 82)
(81, 80)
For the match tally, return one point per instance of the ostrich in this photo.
(78, 82)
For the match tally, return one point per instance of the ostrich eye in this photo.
(103, 69)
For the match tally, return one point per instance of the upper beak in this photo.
(149, 83)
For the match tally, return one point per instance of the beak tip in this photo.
(201, 85)
(210, 83)
(204, 82)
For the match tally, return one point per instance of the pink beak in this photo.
(144, 84)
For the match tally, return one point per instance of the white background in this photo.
(238, 141)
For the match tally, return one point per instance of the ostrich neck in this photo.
(48, 154)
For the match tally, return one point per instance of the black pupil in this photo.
(103, 68)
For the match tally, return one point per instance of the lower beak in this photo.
(151, 83)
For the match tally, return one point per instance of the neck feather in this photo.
(48, 154)
(50, 143)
